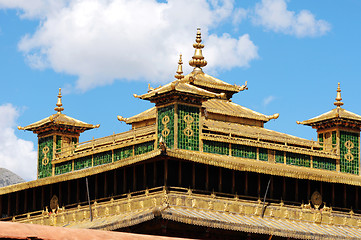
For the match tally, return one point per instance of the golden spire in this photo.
(338, 97)
(198, 59)
(179, 70)
(59, 104)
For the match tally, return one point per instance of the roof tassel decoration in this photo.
(59, 104)
(198, 60)
(179, 72)
(338, 97)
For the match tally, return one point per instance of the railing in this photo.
(112, 140)
(196, 199)
(331, 148)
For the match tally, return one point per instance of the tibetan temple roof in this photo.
(178, 86)
(58, 119)
(147, 114)
(226, 107)
(172, 165)
(335, 115)
(199, 78)
(256, 132)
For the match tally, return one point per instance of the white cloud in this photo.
(268, 100)
(226, 52)
(16, 154)
(239, 15)
(101, 41)
(274, 15)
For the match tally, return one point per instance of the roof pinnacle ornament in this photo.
(198, 59)
(338, 97)
(179, 72)
(59, 104)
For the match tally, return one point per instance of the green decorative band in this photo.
(84, 162)
(279, 157)
(244, 151)
(298, 159)
(143, 148)
(62, 168)
(216, 147)
(102, 158)
(122, 153)
(324, 163)
(263, 154)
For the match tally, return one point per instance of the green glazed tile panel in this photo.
(349, 152)
(166, 125)
(244, 151)
(123, 153)
(324, 163)
(45, 150)
(58, 143)
(320, 139)
(279, 157)
(62, 168)
(188, 127)
(298, 159)
(84, 162)
(263, 154)
(143, 148)
(333, 138)
(102, 158)
(216, 147)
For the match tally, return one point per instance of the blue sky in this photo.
(292, 53)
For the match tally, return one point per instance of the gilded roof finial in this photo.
(338, 97)
(59, 104)
(179, 70)
(198, 59)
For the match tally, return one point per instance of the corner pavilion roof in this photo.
(59, 119)
(336, 114)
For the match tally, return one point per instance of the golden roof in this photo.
(58, 119)
(335, 114)
(256, 132)
(200, 79)
(178, 86)
(228, 108)
(217, 106)
(147, 114)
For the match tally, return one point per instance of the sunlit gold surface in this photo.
(198, 59)
(179, 205)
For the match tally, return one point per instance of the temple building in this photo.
(196, 165)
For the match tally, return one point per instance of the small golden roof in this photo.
(59, 104)
(198, 59)
(179, 70)
(338, 97)
(336, 113)
(58, 119)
